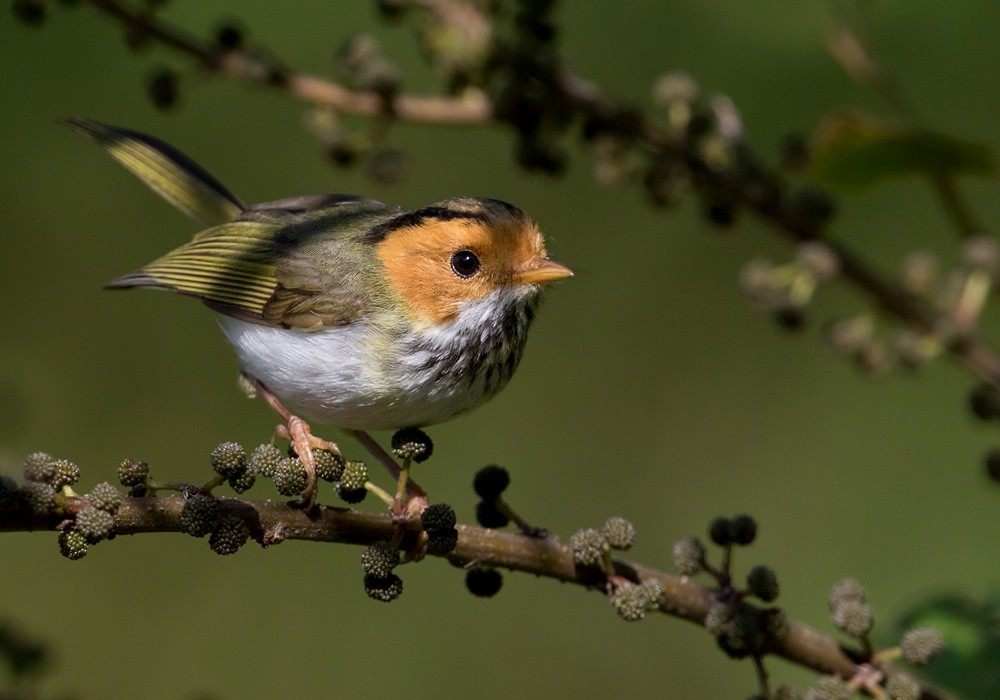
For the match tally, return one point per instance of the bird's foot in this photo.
(303, 442)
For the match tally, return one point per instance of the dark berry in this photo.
(162, 88)
(229, 535)
(199, 515)
(242, 481)
(385, 589)
(763, 583)
(483, 582)
(488, 515)
(72, 545)
(229, 37)
(441, 541)
(743, 529)
(380, 559)
(31, 12)
(993, 465)
(719, 531)
(412, 443)
(438, 516)
(490, 482)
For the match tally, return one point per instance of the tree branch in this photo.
(273, 522)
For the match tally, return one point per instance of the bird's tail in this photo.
(166, 171)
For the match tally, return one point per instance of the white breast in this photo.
(369, 377)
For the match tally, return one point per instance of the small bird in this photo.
(349, 312)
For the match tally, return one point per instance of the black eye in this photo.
(465, 263)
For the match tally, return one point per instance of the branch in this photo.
(273, 522)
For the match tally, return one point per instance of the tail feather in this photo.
(166, 171)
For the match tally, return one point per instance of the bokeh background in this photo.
(650, 389)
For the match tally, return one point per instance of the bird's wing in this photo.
(166, 171)
(230, 267)
(303, 268)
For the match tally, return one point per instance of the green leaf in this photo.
(971, 628)
(856, 150)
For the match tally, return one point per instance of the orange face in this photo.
(438, 264)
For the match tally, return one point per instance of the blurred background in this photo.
(650, 388)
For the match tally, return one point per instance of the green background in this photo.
(650, 388)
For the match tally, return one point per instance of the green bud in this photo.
(39, 467)
(786, 692)
(902, 687)
(355, 476)
(264, 460)
(66, 473)
(854, 618)
(655, 592)
(588, 546)
(619, 533)
(630, 601)
(689, 556)
(242, 481)
(921, 644)
(290, 478)
(844, 590)
(104, 496)
(229, 459)
(829, 688)
(132, 473)
(94, 524)
(41, 497)
(72, 545)
(329, 466)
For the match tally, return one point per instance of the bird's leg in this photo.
(298, 432)
(416, 500)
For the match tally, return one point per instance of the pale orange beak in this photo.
(546, 271)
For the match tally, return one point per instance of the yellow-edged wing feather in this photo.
(229, 267)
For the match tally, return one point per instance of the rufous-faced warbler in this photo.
(353, 313)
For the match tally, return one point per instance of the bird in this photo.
(343, 310)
